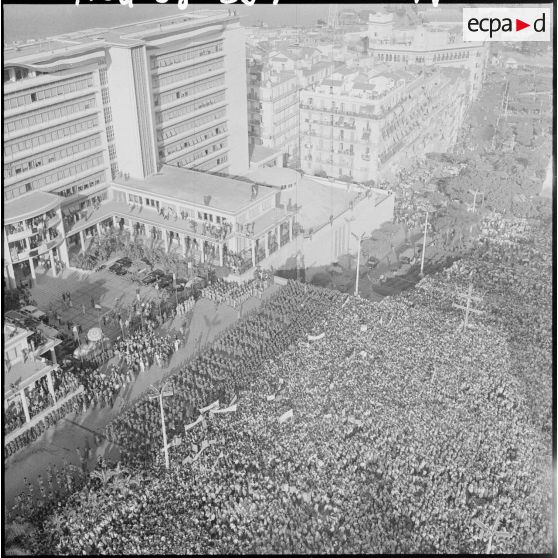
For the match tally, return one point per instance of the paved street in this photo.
(89, 290)
(60, 443)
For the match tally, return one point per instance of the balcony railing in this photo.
(361, 114)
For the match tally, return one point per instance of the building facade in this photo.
(29, 376)
(362, 126)
(426, 45)
(273, 110)
(85, 108)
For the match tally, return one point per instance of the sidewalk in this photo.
(60, 442)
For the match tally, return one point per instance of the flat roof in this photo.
(317, 201)
(260, 153)
(14, 334)
(229, 195)
(24, 373)
(130, 34)
(29, 205)
(274, 176)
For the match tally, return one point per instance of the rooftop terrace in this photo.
(228, 195)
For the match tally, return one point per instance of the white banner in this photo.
(205, 445)
(214, 405)
(285, 416)
(230, 409)
(316, 337)
(355, 421)
(191, 425)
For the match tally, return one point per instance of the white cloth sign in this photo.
(316, 337)
(286, 416)
(230, 409)
(191, 425)
(214, 405)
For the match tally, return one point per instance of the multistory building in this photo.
(427, 45)
(84, 108)
(362, 126)
(273, 110)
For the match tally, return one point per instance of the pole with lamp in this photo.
(359, 239)
(424, 245)
(159, 393)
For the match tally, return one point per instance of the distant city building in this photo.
(273, 110)
(360, 126)
(428, 45)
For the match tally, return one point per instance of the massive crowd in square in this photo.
(325, 423)
(346, 426)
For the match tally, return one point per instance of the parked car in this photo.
(165, 281)
(152, 277)
(124, 262)
(34, 312)
(404, 259)
(372, 262)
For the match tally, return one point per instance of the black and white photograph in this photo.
(278, 277)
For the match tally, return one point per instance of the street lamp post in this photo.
(159, 394)
(359, 239)
(424, 245)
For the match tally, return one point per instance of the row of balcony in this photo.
(361, 114)
(44, 103)
(177, 101)
(169, 157)
(157, 71)
(331, 137)
(189, 115)
(36, 250)
(20, 230)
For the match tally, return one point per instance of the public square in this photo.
(277, 279)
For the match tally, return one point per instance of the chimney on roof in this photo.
(207, 200)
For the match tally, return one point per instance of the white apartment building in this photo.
(273, 110)
(427, 45)
(362, 126)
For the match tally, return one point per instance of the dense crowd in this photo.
(38, 397)
(382, 446)
(64, 382)
(234, 294)
(142, 349)
(14, 416)
(386, 450)
(255, 338)
(343, 426)
(76, 404)
(238, 263)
